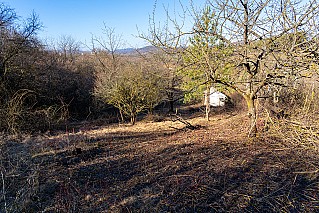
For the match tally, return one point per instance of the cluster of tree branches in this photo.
(131, 83)
(247, 46)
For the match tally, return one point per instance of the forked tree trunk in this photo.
(252, 113)
(151, 110)
(133, 119)
(250, 98)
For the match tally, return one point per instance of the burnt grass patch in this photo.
(211, 169)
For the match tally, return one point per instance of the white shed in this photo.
(217, 99)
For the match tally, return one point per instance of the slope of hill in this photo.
(160, 167)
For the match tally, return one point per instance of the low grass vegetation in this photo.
(165, 167)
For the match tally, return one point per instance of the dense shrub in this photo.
(131, 91)
(50, 85)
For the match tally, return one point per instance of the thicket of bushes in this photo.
(40, 93)
(42, 88)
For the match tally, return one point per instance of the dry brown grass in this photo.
(152, 167)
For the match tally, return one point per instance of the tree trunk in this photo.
(207, 102)
(133, 119)
(171, 105)
(151, 110)
(252, 113)
(122, 117)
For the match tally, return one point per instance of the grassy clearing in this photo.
(152, 167)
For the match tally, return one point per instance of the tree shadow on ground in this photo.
(181, 172)
(178, 174)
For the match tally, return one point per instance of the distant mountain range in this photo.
(134, 50)
(128, 51)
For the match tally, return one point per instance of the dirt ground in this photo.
(159, 167)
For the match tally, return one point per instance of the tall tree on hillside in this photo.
(107, 63)
(270, 42)
(203, 58)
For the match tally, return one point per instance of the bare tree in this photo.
(7, 15)
(108, 62)
(106, 49)
(68, 47)
(13, 38)
(270, 43)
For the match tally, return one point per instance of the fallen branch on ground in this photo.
(175, 117)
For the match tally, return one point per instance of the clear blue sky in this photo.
(82, 18)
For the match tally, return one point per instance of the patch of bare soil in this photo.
(152, 167)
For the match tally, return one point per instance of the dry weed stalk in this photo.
(15, 108)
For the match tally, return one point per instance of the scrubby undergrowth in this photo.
(151, 167)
